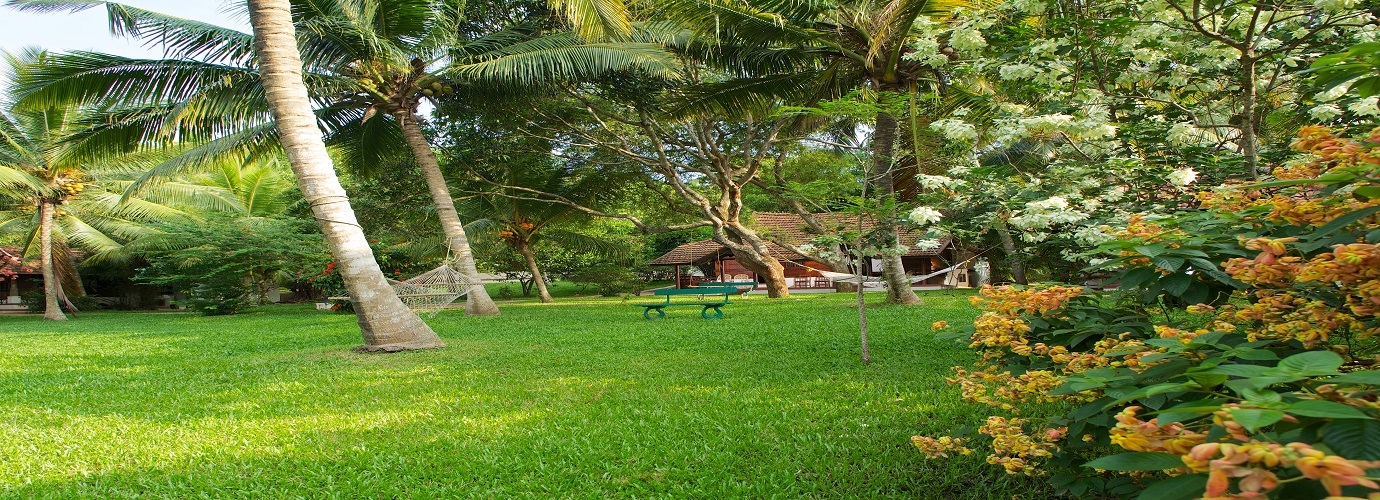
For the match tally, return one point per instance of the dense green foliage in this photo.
(1237, 358)
(224, 264)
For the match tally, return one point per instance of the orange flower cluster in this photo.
(1137, 228)
(1350, 396)
(1003, 390)
(999, 330)
(1001, 326)
(1331, 151)
(1013, 449)
(1349, 271)
(1136, 435)
(1330, 154)
(941, 447)
(1011, 301)
(1252, 462)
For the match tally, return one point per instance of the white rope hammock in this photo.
(878, 281)
(432, 291)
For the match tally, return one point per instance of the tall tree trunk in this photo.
(883, 146)
(1249, 148)
(478, 301)
(772, 273)
(1008, 246)
(386, 323)
(531, 258)
(862, 306)
(750, 250)
(52, 310)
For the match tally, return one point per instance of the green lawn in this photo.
(581, 399)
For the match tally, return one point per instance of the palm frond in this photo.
(366, 147)
(559, 57)
(745, 95)
(90, 78)
(596, 19)
(96, 243)
(256, 141)
(10, 177)
(747, 23)
(584, 243)
(180, 38)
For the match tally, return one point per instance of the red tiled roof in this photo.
(11, 254)
(688, 253)
(792, 229)
(703, 250)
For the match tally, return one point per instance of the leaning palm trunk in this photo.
(531, 257)
(387, 324)
(52, 310)
(883, 144)
(478, 301)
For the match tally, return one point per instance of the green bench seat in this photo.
(711, 298)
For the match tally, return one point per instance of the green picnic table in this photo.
(706, 303)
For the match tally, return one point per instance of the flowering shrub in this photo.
(1236, 361)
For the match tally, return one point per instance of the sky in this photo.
(88, 30)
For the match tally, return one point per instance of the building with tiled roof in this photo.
(16, 278)
(707, 260)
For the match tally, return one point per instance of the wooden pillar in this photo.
(678, 276)
(14, 291)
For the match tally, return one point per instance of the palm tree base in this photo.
(401, 346)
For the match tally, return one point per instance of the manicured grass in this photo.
(577, 399)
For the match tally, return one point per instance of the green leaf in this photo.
(1133, 278)
(1184, 487)
(1191, 409)
(1197, 293)
(1137, 461)
(1311, 364)
(1368, 377)
(1150, 250)
(1259, 382)
(1342, 222)
(1173, 345)
(1260, 396)
(1170, 264)
(1353, 438)
(1165, 387)
(1205, 380)
(1324, 409)
(1253, 419)
(1176, 284)
(1367, 193)
(1210, 269)
(1324, 179)
(1256, 354)
(1211, 338)
(1076, 386)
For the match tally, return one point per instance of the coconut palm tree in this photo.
(379, 58)
(524, 225)
(60, 188)
(387, 324)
